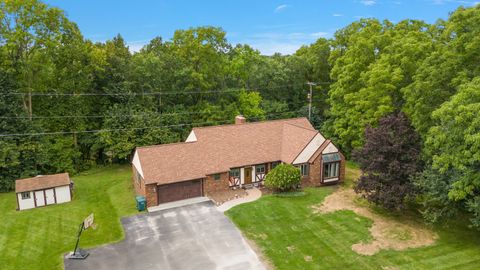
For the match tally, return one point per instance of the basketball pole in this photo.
(78, 238)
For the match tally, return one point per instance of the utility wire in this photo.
(102, 116)
(155, 93)
(120, 129)
(105, 130)
(107, 116)
(124, 94)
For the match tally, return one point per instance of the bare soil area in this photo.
(387, 232)
(221, 197)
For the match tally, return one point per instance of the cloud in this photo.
(137, 45)
(269, 43)
(337, 15)
(281, 8)
(368, 2)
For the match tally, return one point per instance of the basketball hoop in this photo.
(79, 253)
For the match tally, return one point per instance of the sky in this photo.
(267, 25)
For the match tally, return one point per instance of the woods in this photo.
(68, 103)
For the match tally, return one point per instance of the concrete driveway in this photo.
(196, 236)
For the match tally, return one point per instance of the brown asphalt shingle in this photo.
(220, 148)
(42, 182)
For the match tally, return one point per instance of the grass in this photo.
(38, 238)
(291, 236)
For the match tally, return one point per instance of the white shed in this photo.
(43, 190)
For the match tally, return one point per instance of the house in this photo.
(43, 190)
(217, 158)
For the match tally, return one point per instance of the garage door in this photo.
(179, 191)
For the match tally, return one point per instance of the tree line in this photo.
(68, 103)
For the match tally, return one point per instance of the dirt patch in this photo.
(308, 258)
(220, 197)
(291, 249)
(387, 233)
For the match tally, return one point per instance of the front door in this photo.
(248, 176)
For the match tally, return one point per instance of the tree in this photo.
(249, 105)
(29, 32)
(454, 144)
(355, 48)
(20, 156)
(284, 177)
(453, 63)
(433, 188)
(389, 158)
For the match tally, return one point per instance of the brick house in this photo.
(225, 157)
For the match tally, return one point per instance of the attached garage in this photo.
(43, 190)
(179, 191)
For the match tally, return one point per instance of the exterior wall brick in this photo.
(342, 168)
(151, 194)
(211, 185)
(314, 176)
(138, 185)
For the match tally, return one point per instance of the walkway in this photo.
(175, 204)
(253, 195)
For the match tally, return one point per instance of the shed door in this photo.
(179, 191)
(50, 196)
(40, 199)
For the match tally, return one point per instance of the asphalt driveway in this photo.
(196, 236)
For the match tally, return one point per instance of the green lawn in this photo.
(38, 238)
(293, 237)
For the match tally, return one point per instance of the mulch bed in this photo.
(221, 197)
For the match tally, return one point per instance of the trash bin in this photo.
(141, 203)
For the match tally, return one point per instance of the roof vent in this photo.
(239, 119)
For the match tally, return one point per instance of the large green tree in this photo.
(454, 144)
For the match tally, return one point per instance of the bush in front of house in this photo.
(284, 177)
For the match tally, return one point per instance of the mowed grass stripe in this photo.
(275, 223)
(38, 238)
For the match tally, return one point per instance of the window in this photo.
(331, 170)
(235, 173)
(275, 164)
(304, 168)
(216, 176)
(260, 169)
(139, 178)
(25, 195)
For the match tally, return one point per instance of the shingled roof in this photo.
(220, 148)
(42, 182)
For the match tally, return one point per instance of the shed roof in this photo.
(42, 182)
(219, 148)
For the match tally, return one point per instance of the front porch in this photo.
(250, 176)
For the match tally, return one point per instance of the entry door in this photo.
(248, 175)
(50, 196)
(40, 199)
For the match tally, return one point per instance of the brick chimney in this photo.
(239, 119)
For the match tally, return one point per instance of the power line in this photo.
(101, 116)
(104, 130)
(154, 93)
(107, 116)
(125, 94)
(122, 129)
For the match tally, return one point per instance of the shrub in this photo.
(284, 177)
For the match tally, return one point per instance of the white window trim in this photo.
(305, 168)
(26, 197)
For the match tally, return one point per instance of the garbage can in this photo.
(141, 203)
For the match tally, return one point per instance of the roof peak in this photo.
(252, 123)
